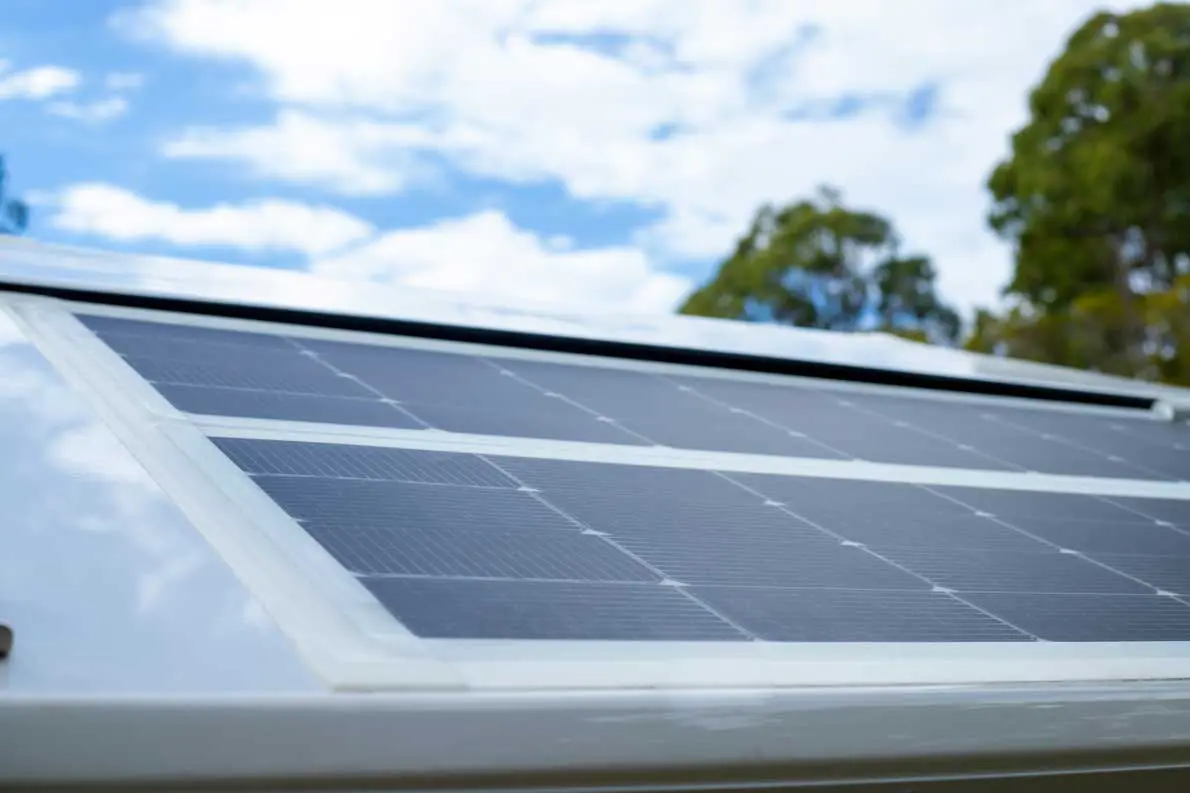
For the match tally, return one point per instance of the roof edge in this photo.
(587, 346)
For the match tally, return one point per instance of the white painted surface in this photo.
(108, 588)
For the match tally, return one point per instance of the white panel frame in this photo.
(690, 459)
(354, 644)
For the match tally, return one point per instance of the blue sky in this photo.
(573, 152)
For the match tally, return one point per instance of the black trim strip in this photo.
(613, 349)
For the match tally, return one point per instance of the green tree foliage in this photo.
(1091, 333)
(14, 213)
(818, 264)
(1095, 197)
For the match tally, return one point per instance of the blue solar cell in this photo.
(833, 420)
(799, 560)
(523, 422)
(340, 461)
(665, 411)
(501, 535)
(468, 546)
(463, 546)
(548, 610)
(835, 615)
(431, 378)
(977, 427)
(271, 372)
(350, 502)
(197, 351)
(1107, 536)
(453, 552)
(824, 500)
(1160, 449)
(1166, 573)
(120, 329)
(276, 405)
(1012, 504)
(1091, 618)
(511, 396)
(981, 570)
(1161, 509)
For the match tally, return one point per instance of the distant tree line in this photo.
(1094, 198)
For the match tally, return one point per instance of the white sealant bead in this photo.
(1172, 411)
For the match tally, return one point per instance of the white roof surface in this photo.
(156, 643)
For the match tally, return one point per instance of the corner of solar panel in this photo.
(511, 495)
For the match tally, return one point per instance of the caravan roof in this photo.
(266, 529)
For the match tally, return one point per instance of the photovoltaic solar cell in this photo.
(548, 610)
(1163, 510)
(365, 384)
(254, 403)
(834, 615)
(1078, 617)
(282, 372)
(837, 421)
(464, 546)
(1042, 570)
(1103, 536)
(453, 551)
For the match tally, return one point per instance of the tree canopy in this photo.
(816, 263)
(1095, 198)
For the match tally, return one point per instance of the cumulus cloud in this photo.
(112, 105)
(485, 254)
(95, 112)
(112, 212)
(352, 157)
(702, 108)
(123, 81)
(39, 82)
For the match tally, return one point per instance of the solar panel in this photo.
(496, 546)
(835, 615)
(236, 373)
(471, 609)
(1078, 617)
(461, 545)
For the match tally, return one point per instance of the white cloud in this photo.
(107, 108)
(485, 254)
(40, 82)
(108, 211)
(123, 81)
(95, 112)
(519, 91)
(352, 157)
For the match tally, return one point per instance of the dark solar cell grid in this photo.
(554, 401)
(365, 412)
(459, 545)
(1091, 618)
(548, 610)
(834, 615)
(339, 461)
(463, 546)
